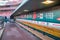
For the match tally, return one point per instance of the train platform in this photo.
(14, 32)
(29, 20)
(1, 31)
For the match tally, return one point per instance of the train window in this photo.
(41, 15)
(49, 15)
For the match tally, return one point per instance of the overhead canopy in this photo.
(33, 5)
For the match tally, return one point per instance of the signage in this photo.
(34, 15)
(49, 15)
(41, 15)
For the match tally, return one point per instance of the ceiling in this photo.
(9, 2)
(8, 6)
(33, 5)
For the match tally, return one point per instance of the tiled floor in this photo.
(1, 31)
(12, 32)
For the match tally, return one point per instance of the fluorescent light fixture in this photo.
(2, 3)
(26, 10)
(48, 2)
(12, 0)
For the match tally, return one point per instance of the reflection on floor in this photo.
(13, 32)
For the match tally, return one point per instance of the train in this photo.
(46, 21)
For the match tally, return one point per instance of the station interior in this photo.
(29, 19)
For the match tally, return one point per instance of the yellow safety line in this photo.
(38, 34)
(51, 31)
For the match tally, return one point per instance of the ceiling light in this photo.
(3, 3)
(13, 0)
(26, 10)
(48, 2)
